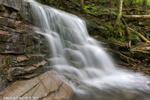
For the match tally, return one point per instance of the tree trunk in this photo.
(131, 2)
(82, 4)
(120, 5)
(145, 3)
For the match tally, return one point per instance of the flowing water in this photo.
(81, 61)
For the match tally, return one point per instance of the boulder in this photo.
(15, 4)
(47, 86)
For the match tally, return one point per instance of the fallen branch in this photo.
(137, 16)
(140, 35)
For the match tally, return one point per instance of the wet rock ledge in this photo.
(20, 47)
(24, 69)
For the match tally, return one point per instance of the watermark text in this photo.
(20, 98)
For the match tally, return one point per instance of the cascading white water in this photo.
(77, 55)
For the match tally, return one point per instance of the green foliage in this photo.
(148, 3)
(90, 8)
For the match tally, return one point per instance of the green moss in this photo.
(116, 32)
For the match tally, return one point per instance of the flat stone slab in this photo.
(47, 86)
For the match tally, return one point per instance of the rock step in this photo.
(20, 60)
(28, 71)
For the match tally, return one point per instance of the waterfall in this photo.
(77, 57)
